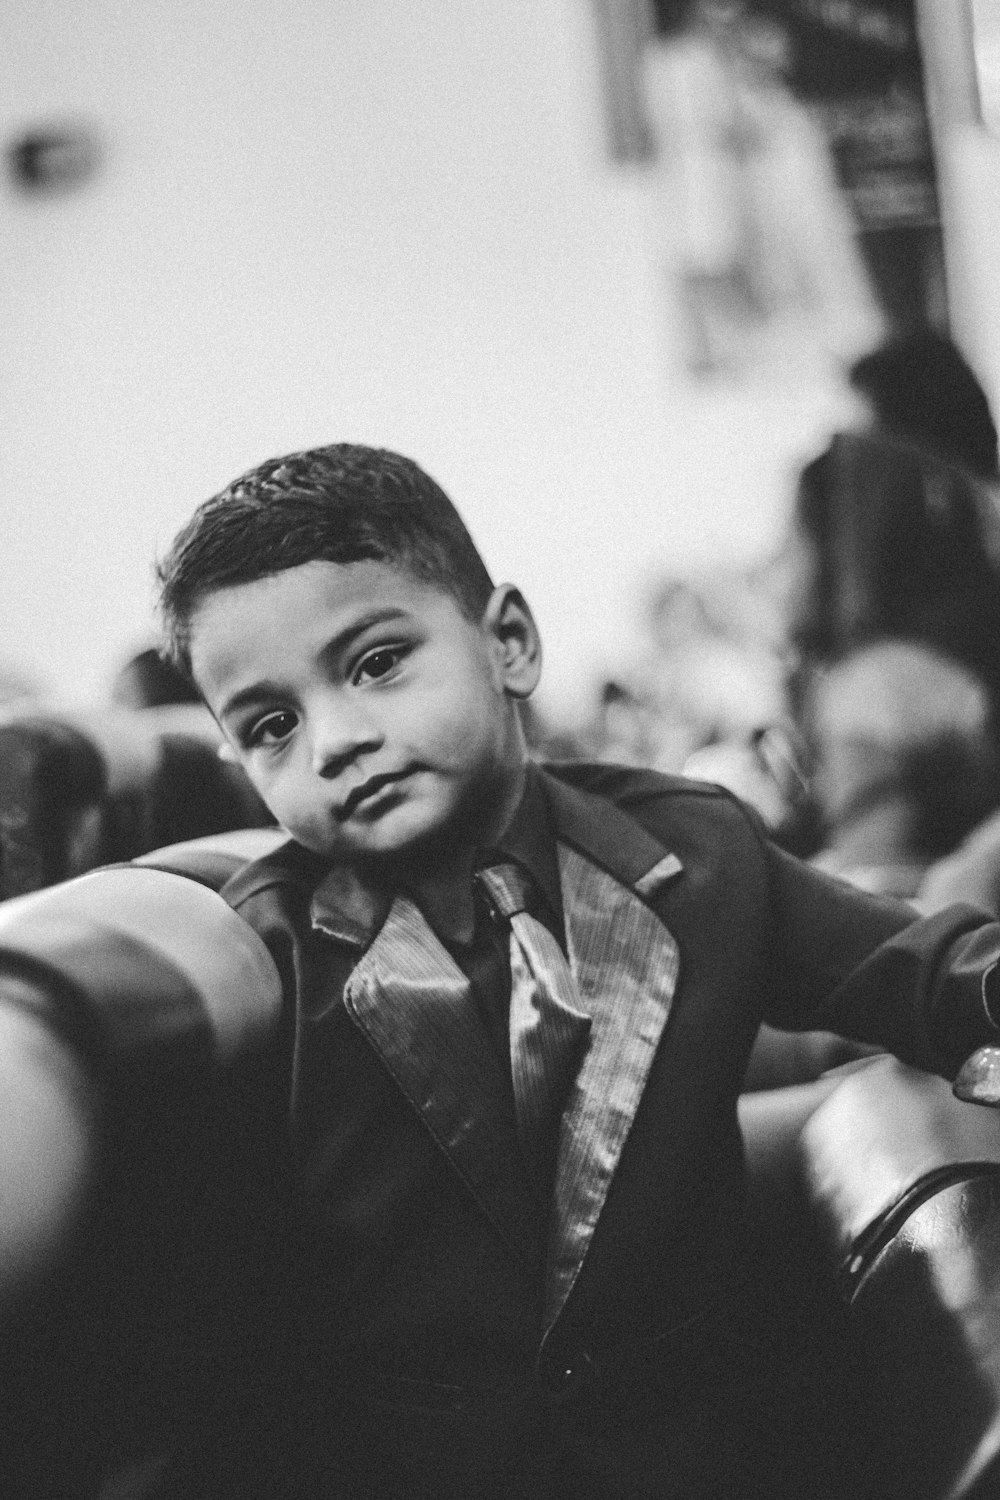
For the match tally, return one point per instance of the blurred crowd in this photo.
(848, 687)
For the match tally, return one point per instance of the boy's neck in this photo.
(447, 904)
(442, 885)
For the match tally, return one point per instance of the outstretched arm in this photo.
(927, 990)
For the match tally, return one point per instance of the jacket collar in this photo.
(598, 828)
(625, 964)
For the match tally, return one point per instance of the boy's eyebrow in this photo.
(255, 692)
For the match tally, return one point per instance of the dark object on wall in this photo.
(51, 158)
(857, 67)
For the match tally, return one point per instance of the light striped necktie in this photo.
(548, 1031)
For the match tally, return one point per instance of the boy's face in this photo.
(374, 718)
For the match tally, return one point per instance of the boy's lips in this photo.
(367, 789)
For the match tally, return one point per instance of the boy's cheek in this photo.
(271, 794)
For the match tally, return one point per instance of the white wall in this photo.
(377, 221)
(969, 174)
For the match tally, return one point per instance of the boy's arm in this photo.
(927, 990)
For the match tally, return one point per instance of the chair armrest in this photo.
(771, 1124)
(885, 1135)
(782, 1059)
(138, 1014)
(904, 1182)
(153, 959)
(48, 1140)
(126, 992)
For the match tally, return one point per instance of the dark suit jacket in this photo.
(426, 1327)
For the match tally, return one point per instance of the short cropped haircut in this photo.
(343, 503)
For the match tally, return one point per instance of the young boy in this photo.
(495, 1237)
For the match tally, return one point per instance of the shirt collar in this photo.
(350, 907)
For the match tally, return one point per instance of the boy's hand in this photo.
(978, 1080)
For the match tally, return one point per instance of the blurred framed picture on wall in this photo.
(790, 161)
(985, 18)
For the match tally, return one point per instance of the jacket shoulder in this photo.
(216, 858)
(674, 809)
(256, 871)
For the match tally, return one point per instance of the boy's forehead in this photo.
(301, 608)
(309, 590)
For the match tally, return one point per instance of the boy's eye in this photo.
(378, 663)
(270, 730)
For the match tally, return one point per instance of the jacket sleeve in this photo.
(829, 956)
(926, 989)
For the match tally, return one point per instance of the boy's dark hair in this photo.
(343, 503)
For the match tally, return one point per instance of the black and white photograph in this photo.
(500, 750)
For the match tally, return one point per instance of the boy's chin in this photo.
(393, 842)
(433, 851)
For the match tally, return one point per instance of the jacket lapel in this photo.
(625, 964)
(415, 1007)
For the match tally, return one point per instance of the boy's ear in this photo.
(509, 622)
(228, 754)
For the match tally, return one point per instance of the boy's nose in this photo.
(338, 736)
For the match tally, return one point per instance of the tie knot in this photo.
(508, 887)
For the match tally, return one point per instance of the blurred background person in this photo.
(84, 785)
(920, 389)
(904, 762)
(17, 687)
(624, 729)
(969, 873)
(756, 225)
(147, 680)
(711, 682)
(896, 528)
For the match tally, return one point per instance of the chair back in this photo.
(82, 790)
